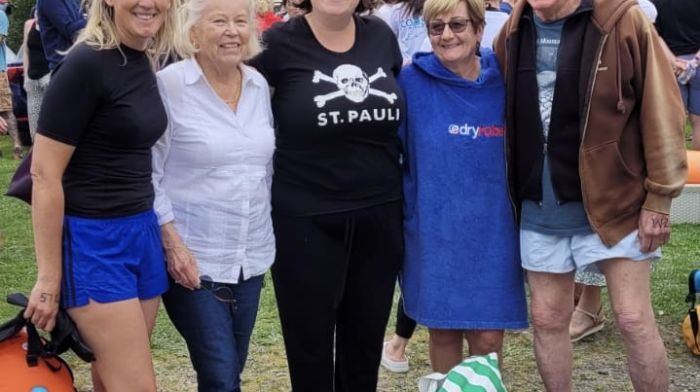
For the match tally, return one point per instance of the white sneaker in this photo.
(393, 365)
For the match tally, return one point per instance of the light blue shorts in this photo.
(559, 255)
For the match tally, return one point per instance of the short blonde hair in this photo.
(263, 6)
(192, 14)
(101, 32)
(475, 9)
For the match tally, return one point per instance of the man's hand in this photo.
(654, 230)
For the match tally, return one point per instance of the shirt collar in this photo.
(193, 73)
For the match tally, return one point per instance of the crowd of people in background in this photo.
(6, 112)
(469, 150)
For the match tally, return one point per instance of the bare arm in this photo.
(49, 161)
(181, 263)
(25, 53)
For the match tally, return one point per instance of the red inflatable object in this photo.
(49, 374)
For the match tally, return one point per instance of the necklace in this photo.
(230, 97)
(233, 101)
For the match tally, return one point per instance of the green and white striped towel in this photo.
(478, 373)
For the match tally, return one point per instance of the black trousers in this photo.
(405, 326)
(334, 279)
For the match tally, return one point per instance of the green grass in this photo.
(600, 360)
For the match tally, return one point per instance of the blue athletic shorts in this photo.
(113, 259)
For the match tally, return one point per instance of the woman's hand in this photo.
(182, 266)
(679, 65)
(43, 305)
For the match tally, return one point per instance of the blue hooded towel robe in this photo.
(462, 265)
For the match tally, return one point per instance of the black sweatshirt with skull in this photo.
(336, 118)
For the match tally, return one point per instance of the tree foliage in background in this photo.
(20, 13)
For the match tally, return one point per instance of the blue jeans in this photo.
(217, 333)
(690, 92)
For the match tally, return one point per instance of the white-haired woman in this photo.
(97, 238)
(212, 175)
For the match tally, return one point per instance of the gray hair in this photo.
(192, 13)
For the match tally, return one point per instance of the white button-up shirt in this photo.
(212, 171)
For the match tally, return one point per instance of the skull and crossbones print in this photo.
(352, 83)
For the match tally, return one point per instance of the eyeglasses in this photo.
(456, 25)
(221, 293)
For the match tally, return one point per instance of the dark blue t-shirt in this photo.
(59, 21)
(549, 216)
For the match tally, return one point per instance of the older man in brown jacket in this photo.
(595, 154)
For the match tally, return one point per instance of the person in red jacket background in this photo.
(266, 16)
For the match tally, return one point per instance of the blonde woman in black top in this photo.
(97, 239)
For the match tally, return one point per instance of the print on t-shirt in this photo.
(337, 117)
(353, 83)
(548, 40)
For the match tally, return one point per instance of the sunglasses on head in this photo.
(221, 293)
(456, 25)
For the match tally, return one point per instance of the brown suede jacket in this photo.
(632, 153)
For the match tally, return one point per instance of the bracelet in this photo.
(174, 247)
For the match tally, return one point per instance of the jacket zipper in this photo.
(545, 148)
(505, 142)
(589, 93)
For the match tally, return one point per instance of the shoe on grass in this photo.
(17, 153)
(593, 323)
(393, 365)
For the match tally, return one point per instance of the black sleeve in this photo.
(392, 42)
(73, 94)
(265, 61)
(398, 58)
